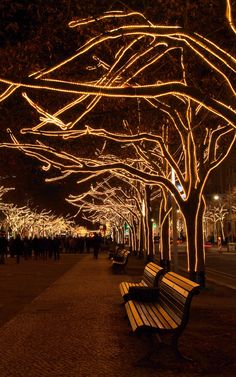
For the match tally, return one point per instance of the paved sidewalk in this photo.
(71, 329)
(76, 328)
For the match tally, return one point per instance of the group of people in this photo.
(84, 244)
(38, 247)
(47, 247)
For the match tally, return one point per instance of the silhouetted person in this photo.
(18, 247)
(36, 247)
(27, 248)
(3, 248)
(88, 244)
(56, 248)
(96, 241)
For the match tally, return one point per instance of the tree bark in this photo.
(193, 214)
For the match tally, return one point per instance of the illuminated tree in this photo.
(216, 215)
(3, 204)
(27, 222)
(163, 39)
(220, 209)
(202, 115)
(3, 191)
(117, 202)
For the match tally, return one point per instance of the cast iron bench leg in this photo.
(152, 345)
(177, 352)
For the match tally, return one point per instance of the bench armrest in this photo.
(146, 294)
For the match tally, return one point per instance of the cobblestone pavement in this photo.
(77, 328)
(71, 329)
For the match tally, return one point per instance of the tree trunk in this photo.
(141, 238)
(165, 244)
(200, 270)
(148, 224)
(195, 245)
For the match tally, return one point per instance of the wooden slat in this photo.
(190, 282)
(150, 273)
(176, 315)
(167, 317)
(152, 322)
(172, 302)
(132, 321)
(169, 292)
(170, 311)
(149, 279)
(160, 323)
(124, 287)
(133, 315)
(180, 282)
(175, 286)
(139, 307)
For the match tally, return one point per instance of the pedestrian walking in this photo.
(96, 242)
(18, 247)
(56, 248)
(3, 248)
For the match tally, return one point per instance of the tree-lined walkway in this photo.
(76, 327)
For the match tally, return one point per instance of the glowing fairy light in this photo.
(24, 221)
(200, 45)
(3, 191)
(229, 15)
(115, 205)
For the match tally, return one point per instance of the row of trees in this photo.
(172, 120)
(27, 222)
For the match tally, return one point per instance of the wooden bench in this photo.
(115, 251)
(151, 274)
(119, 255)
(164, 319)
(120, 265)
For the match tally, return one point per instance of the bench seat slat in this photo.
(133, 315)
(150, 316)
(152, 322)
(130, 315)
(146, 320)
(158, 317)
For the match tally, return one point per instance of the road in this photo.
(220, 267)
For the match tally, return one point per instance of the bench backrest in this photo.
(126, 256)
(121, 252)
(175, 295)
(119, 255)
(151, 274)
